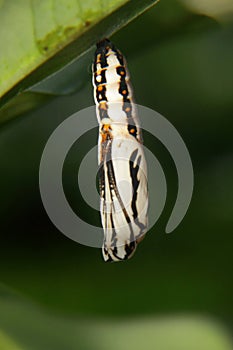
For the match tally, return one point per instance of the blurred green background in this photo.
(176, 292)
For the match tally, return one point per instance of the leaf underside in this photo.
(40, 37)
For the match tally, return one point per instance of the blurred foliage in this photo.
(181, 65)
(39, 329)
(221, 10)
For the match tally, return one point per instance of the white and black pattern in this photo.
(123, 171)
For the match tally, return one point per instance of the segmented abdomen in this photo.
(109, 69)
(113, 91)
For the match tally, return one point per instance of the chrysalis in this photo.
(123, 171)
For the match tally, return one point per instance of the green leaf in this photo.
(38, 38)
(24, 325)
(7, 343)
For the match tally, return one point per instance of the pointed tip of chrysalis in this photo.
(103, 43)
